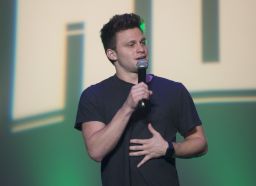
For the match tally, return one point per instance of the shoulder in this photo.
(98, 88)
(168, 87)
(167, 83)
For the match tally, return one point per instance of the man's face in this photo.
(130, 47)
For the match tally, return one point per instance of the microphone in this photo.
(142, 66)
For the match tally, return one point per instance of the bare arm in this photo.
(194, 144)
(100, 138)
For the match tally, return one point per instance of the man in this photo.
(137, 147)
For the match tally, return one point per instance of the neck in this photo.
(130, 78)
(133, 79)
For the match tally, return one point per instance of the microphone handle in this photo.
(142, 104)
(142, 75)
(142, 78)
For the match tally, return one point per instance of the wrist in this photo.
(169, 154)
(127, 108)
(165, 147)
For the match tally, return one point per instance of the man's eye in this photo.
(131, 44)
(143, 42)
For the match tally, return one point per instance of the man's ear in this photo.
(111, 54)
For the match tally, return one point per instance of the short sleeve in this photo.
(88, 108)
(188, 116)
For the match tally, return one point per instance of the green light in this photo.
(143, 26)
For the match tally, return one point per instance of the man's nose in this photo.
(141, 48)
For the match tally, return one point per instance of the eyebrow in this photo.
(143, 39)
(134, 41)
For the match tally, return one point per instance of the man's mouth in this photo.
(142, 57)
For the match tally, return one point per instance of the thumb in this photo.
(151, 129)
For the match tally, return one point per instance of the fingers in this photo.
(150, 92)
(151, 129)
(138, 153)
(136, 147)
(144, 160)
(137, 93)
(139, 150)
(140, 91)
(139, 141)
(150, 148)
(141, 153)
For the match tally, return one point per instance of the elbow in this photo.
(205, 148)
(95, 156)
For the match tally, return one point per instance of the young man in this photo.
(137, 147)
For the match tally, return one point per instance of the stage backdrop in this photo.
(51, 50)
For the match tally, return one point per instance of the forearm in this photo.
(105, 139)
(102, 138)
(190, 147)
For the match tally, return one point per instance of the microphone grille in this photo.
(142, 63)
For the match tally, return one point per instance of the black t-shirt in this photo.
(171, 110)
